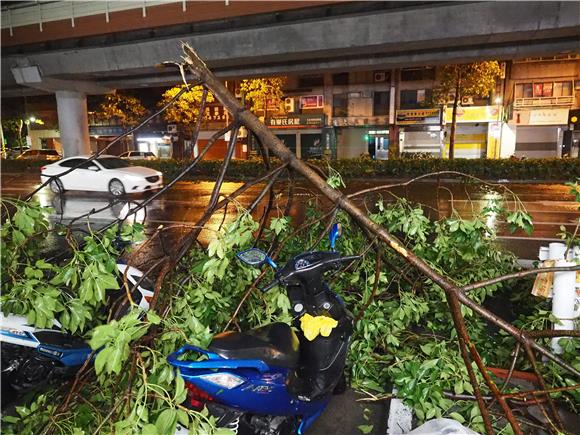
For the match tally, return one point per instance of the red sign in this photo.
(312, 102)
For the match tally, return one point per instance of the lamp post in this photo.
(497, 150)
(28, 122)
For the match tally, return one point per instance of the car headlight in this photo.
(224, 380)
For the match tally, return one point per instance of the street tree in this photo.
(123, 108)
(186, 109)
(460, 80)
(257, 92)
(13, 128)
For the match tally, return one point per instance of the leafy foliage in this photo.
(475, 79)
(513, 170)
(124, 109)
(459, 80)
(404, 337)
(258, 91)
(186, 109)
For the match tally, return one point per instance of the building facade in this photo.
(533, 113)
(543, 92)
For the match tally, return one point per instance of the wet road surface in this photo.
(550, 205)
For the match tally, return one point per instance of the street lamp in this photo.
(497, 150)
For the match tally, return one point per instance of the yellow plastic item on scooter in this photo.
(319, 325)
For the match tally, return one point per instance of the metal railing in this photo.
(544, 101)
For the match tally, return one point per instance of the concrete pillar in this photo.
(73, 122)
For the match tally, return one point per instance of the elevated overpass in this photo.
(331, 36)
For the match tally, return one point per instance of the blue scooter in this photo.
(273, 380)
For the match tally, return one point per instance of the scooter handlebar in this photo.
(336, 261)
(270, 286)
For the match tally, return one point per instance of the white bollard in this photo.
(564, 300)
(556, 251)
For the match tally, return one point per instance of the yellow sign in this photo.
(417, 116)
(474, 114)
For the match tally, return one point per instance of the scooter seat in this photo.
(275, 344)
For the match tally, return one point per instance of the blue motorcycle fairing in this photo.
(22, 335)
(263, 391)
(68, 357)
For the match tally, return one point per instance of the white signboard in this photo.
(548, 117)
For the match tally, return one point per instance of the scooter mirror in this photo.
(335, 233)
(253, 256)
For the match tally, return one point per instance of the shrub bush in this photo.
(530, 169)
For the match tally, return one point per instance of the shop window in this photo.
(381, 103)
(340, 105)
(414, 74)
(566, 88)
(523, 90)
(413, 98)
(310, 81)
(543, 89)
(340, 79)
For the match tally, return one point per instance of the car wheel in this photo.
(116, 188)
(56, 186)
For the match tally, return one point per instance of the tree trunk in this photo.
(454, 117)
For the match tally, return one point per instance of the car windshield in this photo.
(113, 163)
(49, 152)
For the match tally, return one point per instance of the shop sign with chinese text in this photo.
(474, 114)
(418, 116)
(296, 121)
(541, 117)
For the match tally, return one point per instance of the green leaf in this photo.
(118, 354)
(458, 417)
(153, 318)
(150, 429)
(366, 428)
(183, 417)
(180, 392)
(102, 335)
(166, 421)
(102, 359)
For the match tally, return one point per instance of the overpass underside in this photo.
(326, 38)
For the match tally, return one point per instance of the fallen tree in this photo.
(196, 288)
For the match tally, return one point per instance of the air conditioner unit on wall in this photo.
(380, 77)
(289, 105)
(467, 101)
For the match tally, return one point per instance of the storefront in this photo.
(378, 144)
(304, 135)
(539, 132)
(158, 144)
(420, 131)
(478, 131)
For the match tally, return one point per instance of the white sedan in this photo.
(104, 174)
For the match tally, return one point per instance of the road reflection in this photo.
(550, 205)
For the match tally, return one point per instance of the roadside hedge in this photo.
(512, 170)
